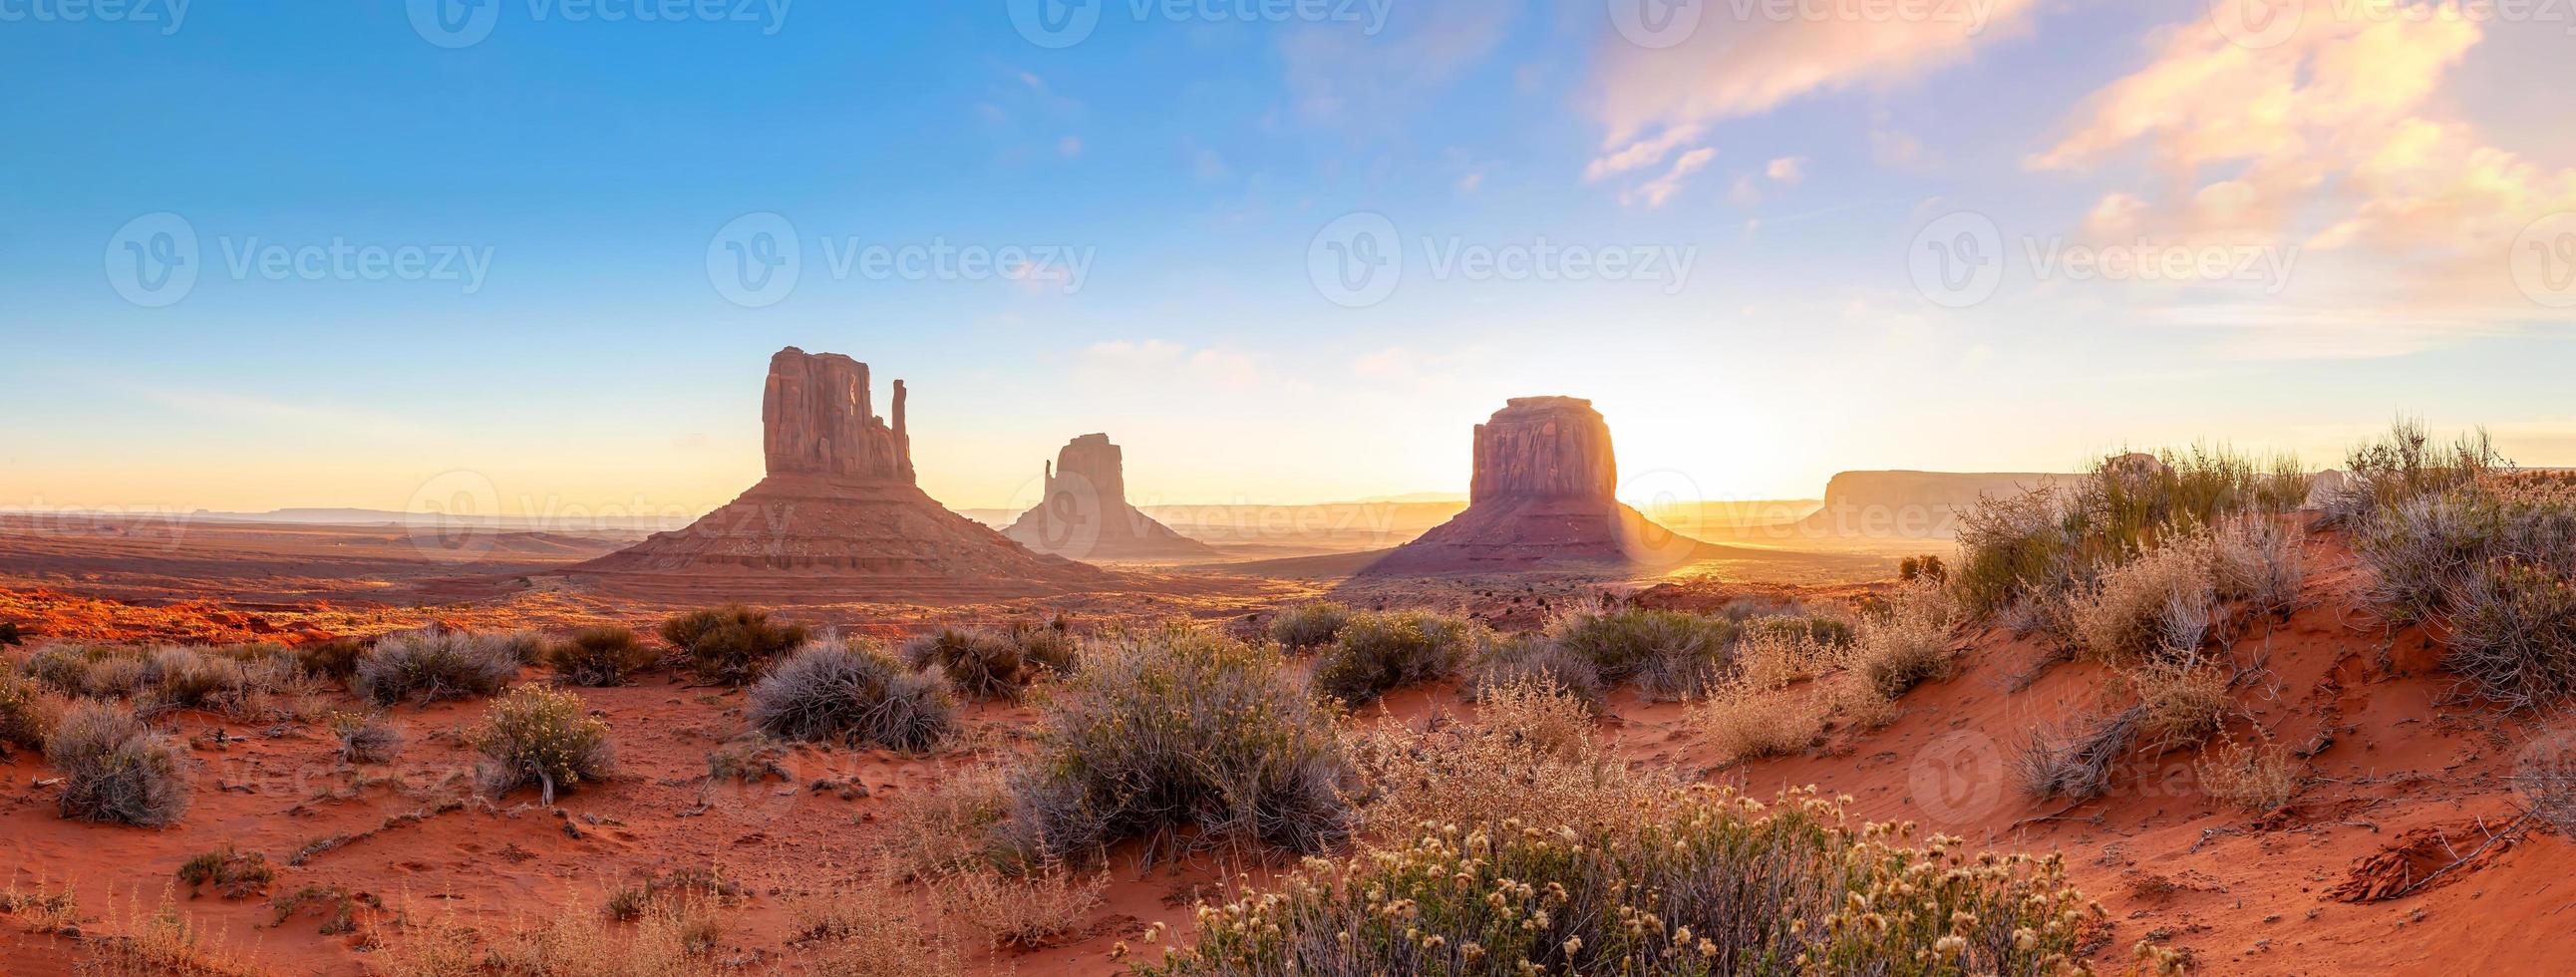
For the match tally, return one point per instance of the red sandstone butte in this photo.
(1085, 515)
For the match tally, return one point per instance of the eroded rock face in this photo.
(1544, 448)
(1084, 513)
(816, 419)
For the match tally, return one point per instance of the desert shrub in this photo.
(749, 760)
(1701, 882)
(1906, 642)
(1176, 729)
(365, 737)
(1505, 661)
(1303, 626)
(2545, 780)
(2405, 464)
(335, 659)
(1030, 910)
(116, 769)
(1528, 753)
(851, 692)
(10, 635)
(1858, 703)
(1742, 721)
(2049, 539)
(27, 713)
(232, 874)
(432, 664)
(542, 738)
(1925, 567)
(986, 664)
(1820, 629)
(599, 656)
(2076, 760)
(2256, 778)
(2180, 704)
(2158, 606)
(870, 932)
(675, 936)
(1380, 650)
(2257, 560)
(2513, 634)
(2014, 548)
(1774, 658)
(1671, 655)
(161, 941)
(950, 828)
(731, 644)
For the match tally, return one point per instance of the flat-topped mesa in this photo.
(816, 419)
(1089, 464)
(1084, 513)
(1544, 448)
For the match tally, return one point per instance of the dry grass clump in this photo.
(2051, 539)
(232, 874)
(674, 936)
(1499, 661)
(950, 828)
(2404, 465)
(43, 907)
(27, 714)
(2545, 778)
(246, 682)
(2181, 704)
(1308, 625)
(434, 664)
(116, 769)
(2256, 778)
(2513, 633)
(1742, 721)
(2076, 760)
(1773, 659)
(851, 691)
(732, 644)
(1173, 730)
(1530, 753)
(867, 932)
(539, 737)
(1380, 650)
(2170, 601)
(1906, 642)
(1704, 882)
(1669, 654)
(981, 663)
(333, 659)
(162, 942)
(600, 656)
(1027, 911)
(1817, 629)
(365, 737)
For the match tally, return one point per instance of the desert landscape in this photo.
(1287, 488)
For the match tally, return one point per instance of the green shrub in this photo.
(1179, 730)
(1705, 883)
(599, 656)
(433, 664)
(335, 659)
(851, 691)
(1378, 651)
(27, 713)
(2049, 539)
(1830, 632)
(539, 737)
(1499, 662)
(1669, 654)
(1303, 626)
(731, 644)
(985, 664)
(233, 875)
(116, 769)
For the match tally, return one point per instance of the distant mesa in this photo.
(1542, 497)
(1084, 513)
(839, 515)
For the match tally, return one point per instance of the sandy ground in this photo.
(2403, 796)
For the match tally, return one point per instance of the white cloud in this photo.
(1787, 170)
(1653, 193)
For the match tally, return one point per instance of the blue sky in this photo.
(1191, 164)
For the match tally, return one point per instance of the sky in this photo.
(360, 254)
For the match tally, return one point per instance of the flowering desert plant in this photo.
(540, 737)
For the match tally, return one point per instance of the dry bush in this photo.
(2256, 778)
(232, 874)
(42, 907)
(2258, 560)
(1742, 721)
(2513, 634)
(749, 760)
(852, 692)
(1857, 702)
(2013, 549)
(1671, 655)
(981, 663)
(600, 656)
(950, 828)
(2046, 541)
(1817, 629)
(2155, 607)
(252, 683)
(2076, 760)
(27, 714)
(1174, 730)
(1772, 659)
(162, 942)
(1907, 642)
(2545, 777)
(1308, 625)
(542, 738)
(2180, 704)
(1528, 760)
(870, 933)
(365, 737)
(732, 644)
(1498, 661)
(434, 664)
(1376, 651)
(117, 769)
(2404, 465)
(1028, 911)
(676, 936)
(1695, 882)
(333, 659)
